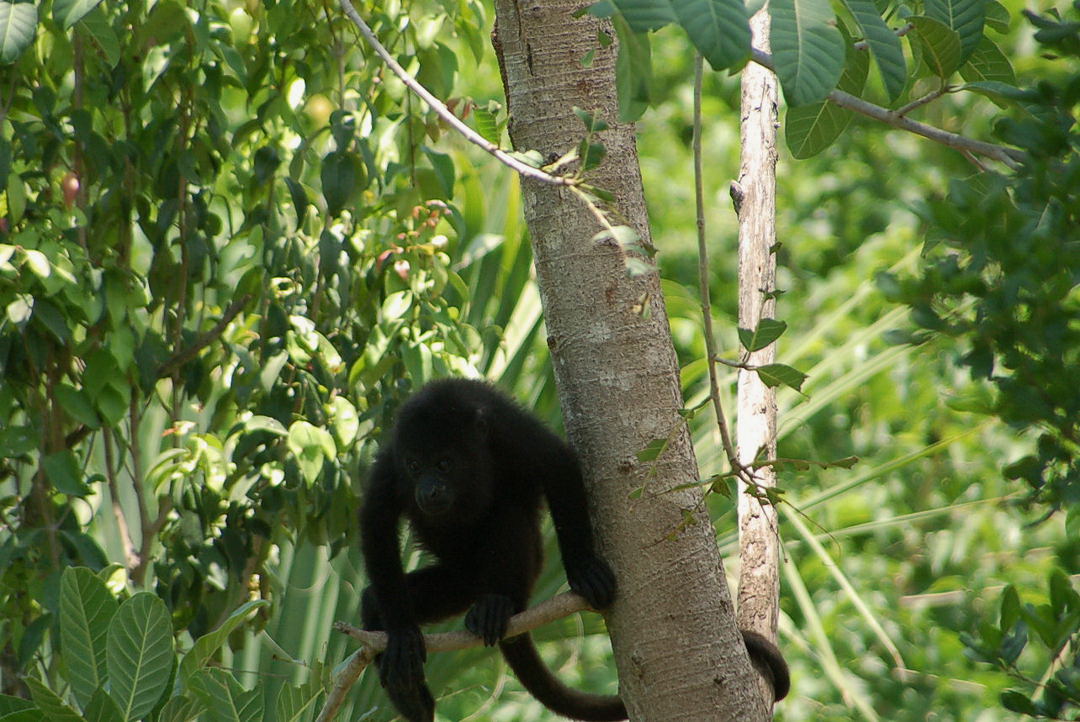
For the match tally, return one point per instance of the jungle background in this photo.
(231, 243)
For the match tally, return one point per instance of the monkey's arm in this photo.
(588, 574)
(386, 602)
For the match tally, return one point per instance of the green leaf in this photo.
(96, 27)
(86, 607)
(180, 709)
(652, 451)
(340, 174)
(988, 64)
(808, 50)
(633, 71)
(884, 44)
(487, 125)
(997, 17)
(294, 701)
(645, 15)
(1017, 702)
(64, 472)
(208, 644)
(38, 263)
(396, 305)
(18, 22)
(810, 129)
(102, 708)
(17, 709)
(225, 699)
(139, 654)
(773, 375)
(719, 29)
(16, 191)
(444, 170)
(55, 709)
(940, 45)
(767, 331)
(69, 12)
(76, 404)
(966, 17)
(299, 198)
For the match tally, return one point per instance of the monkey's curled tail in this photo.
(521, 655)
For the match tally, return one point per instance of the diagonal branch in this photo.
(182, 357)
(1009, 156)
(443, 112)
(559, 606)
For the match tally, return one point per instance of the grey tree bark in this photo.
(678, 651)
(759, 543)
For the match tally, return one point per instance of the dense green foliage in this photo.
(230, 243)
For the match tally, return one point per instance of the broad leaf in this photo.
(633, 71)
(55, 709)
(102, 708)
(808, 50)
(988, 64)
(767, 331)
(86, 607)
(776, 374)
(18, 21)
(646, 15)
(69, 12)
(884, 44)
(139, 654)
(966, 17)
(719, 29)
(810, 129)
(941, 48)
(225, 699)
(208, 644)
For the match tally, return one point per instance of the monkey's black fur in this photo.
(469, 469)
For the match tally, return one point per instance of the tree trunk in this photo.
(759, 543)
(678, 651)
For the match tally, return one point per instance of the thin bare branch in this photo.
(443, 112)
(559, 606)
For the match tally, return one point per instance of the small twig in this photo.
(919, 102)
(185, 355)
(900, 32)
(1009, 156)
(703, 273)
(443, 112)
(559, 606)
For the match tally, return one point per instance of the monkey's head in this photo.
(443, 457)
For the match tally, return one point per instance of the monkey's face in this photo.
(446, 483)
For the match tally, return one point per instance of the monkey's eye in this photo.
(443, 465)
(413, 466)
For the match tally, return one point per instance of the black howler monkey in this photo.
(469, 469)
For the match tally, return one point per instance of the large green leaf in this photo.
(206, 645)
(988, 63)
(646, 15)
(633, 71)
(966, 17)
(719, 29)
(49, 702)
(86, 607)
(18, 21)
(884, 44)
(941, 48)
(225, 699)
(139, 654)
(69, 12)
(102, 708)
(808, 50)
(180, 709)
(810, 129)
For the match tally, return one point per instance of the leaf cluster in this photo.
(1001, 273)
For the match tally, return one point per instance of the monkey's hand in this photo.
(401, 665)
(591, 577)
(489, 616)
